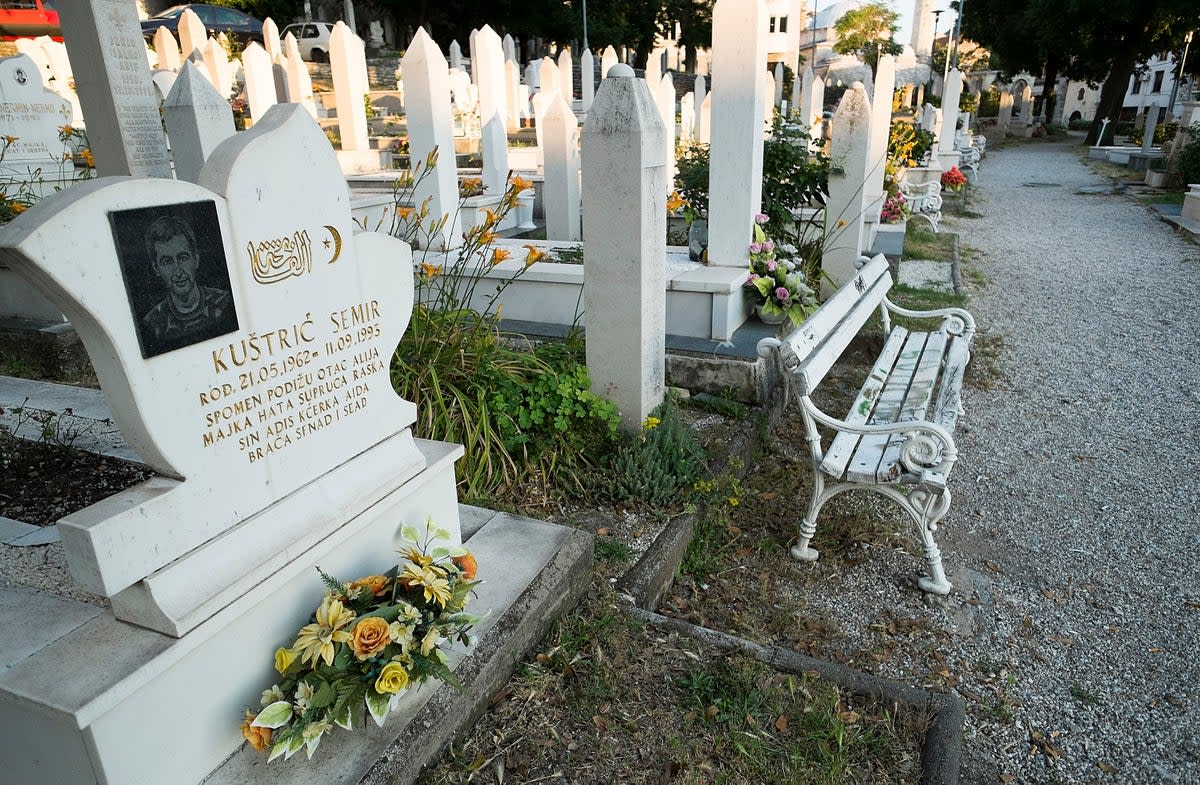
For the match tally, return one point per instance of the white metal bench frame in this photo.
(920, 441)
(968, 163)
(924, 201)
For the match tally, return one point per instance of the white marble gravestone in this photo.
(32, 114)
(844, 208)
(429, 127)
(268, 411)
(561, 186)
(198, 120)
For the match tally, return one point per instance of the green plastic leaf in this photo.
(277, 714)
(277, 750)
(323, 696)
(440, 534)
(439, 552)
(455, 551)
(378, 706)
(293, 745)
(410, 533)
(343, 718)
(311, 745)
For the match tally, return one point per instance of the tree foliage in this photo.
(868, 32)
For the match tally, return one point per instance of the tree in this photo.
(1093, 40)
(868, 32)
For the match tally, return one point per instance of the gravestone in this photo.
(488, 70)
(653, 74)
(947, 154)
(267, 410)
(512, 97)
(167, 50)
(510, 48)
(700, 88)
(881, 125)
(220, 68)
(429, 127)
(456, 59)
(566, 75)
(32, 115)
(624, 236)
(300, 90)
(259, 74)
(587, 80)
(687, 117)
(192, 34)
(608, 58)
(347, 61)
(560, 190)
(270, 33)
(114, 87)
(777, 91)
(665, 97)
(704, 126)
(198, 120)
(770, 88)
(844, 208)
(548, 81)
(736, 168)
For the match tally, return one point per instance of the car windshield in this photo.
(171, 12)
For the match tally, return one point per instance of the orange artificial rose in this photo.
(369, 637)
(467, 564)
(378, 584)
(259, 738)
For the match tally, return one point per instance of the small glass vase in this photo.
(772, 318)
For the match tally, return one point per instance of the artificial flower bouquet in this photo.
(776, 285)
(953, 179)
(895, 209)
(369, 642)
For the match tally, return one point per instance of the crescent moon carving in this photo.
(337, 242)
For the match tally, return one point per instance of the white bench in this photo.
(924, 201)
(897, 438)
(968, 163)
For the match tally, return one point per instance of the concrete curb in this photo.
(941, 749)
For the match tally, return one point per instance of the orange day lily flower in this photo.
(499, 255)
(534, 255)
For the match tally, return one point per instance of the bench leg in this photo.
(808, 526)
(927, 510)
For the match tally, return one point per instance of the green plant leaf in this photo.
(343, 718)
(323, 696)
(274, 716)
(410, 533)
(377, 705)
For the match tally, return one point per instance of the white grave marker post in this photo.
(770, 87)
(489, 69)
(701, 90)
(587, 80)
(687, 118)
(777, 76)
(541, 101)
(169, 58)
(561, 186)
(474, 56)
(222, 70)
(735, 171)
(456, 60)
(624, 236)
(566, 75)
(198, 119)
(704, 126)
(548, 81)
(653, 74)
(666, 107)
(510, 48)
(429, 126)
(259, 73)
(115, 89)
(608, 58)
(347, 61)
(192, 33)
(796, 98)
(300, 89)
(881, 126)
(512, 89)
(803, 106)
(532, 70)
(851, 127)
(271, 42)
(947, 155)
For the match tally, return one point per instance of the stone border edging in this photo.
(941, 749)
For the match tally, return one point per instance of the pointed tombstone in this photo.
(704, 124)
(587, 80)
(471, 51)
(115, 90)
(795, 100)
(542, 101)
(566, 75)
(512, 88)
(815, 109)
(283, 88)
(216, 58)
(844, 207)
(881, 126)
(510, 48)
(192, 33)
(608, 58)
(299, 81)
(271, 41)
(803, 106)
(347, 61)
(700, 88)
(770, 87)
(666, 107)
(687, 118)
(653, 73)
(259, 74)
(778, 76)
(493, 111)
(548, 81)
(1149, 128)
(624, 237)
(927, 113)
(198, 119)
(950, 96)
(532, 71)
(560, 190)
(163, 81)
(455, 55)
(167, 50)
(427, 82)
(738, 100)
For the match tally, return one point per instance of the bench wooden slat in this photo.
(945, 412)
(916, 405)
(865, 465)
(843, 444)
(821, 358)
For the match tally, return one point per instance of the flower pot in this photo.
(775, 318)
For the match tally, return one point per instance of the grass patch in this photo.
(1084, 696)
(612, 550)
(1166, 197)
(922, 243)
(609, 700)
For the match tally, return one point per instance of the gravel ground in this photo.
(1074, 630)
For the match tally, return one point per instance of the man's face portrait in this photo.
(173, 263)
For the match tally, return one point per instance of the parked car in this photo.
(28, 19)
(216, 18)
(312, 38)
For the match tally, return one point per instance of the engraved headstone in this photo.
(32, 115)
(198, 119)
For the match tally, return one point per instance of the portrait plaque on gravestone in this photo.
(173, 264)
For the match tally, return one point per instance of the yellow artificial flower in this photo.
(284, 659)
(499, 255)
(652, 423)
(490, 218)
(88, 159)
(415, 555)
(392, 679)
(430, 641)
(370, 636)
(259, 738)
(534, 255)
(675, 201)
(17, 208)
(519, 184)
(378, 584)
(431, 579)
(316, 641)
(401, 634)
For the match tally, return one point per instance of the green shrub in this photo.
(661, 464)
(1187, 160)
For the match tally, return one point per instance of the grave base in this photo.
(889, 239)
(85, 698)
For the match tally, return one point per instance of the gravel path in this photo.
(1074, 630)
